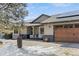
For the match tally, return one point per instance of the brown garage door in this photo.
(68, 34)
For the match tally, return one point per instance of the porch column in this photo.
(39, 32)
(33, 31)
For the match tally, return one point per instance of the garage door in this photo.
(67, 33)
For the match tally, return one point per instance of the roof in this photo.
(68, 16)
(29, 24)
(40, 18)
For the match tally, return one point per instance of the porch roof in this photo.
(32, 24)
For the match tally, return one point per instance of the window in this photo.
(68, 26)
(59, 26)
(76, 25)
(41, 30)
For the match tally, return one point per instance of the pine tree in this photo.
(12, 15)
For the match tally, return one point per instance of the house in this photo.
(62, 27)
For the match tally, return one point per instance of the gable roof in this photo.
(40, 18)
(68, 16)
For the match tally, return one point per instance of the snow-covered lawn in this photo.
(38, 48)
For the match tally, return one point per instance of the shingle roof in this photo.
(69, 16)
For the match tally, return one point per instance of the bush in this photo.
(8, 36)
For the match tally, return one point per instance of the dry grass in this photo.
(67, 52)
(1, 44)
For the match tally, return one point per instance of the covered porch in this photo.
(35, 31)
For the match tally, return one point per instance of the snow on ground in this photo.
(10, 49)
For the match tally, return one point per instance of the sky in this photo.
(36, 9)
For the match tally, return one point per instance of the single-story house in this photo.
(62, 27)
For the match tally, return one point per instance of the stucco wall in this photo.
(48, 33)
(48, 29)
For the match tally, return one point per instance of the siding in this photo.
(48, 29)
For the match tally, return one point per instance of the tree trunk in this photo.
(19, 42)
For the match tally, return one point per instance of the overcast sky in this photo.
(36, 9)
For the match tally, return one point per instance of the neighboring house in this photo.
(62, 27)
(4, 30)
(56, 28)
(21, 30)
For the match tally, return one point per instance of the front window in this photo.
(76, 25)
(58, 26)
(68, 26)
(41, 30)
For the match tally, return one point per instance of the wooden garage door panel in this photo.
(76, 34)
(67, 34)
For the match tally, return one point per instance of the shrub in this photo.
(8, 36)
